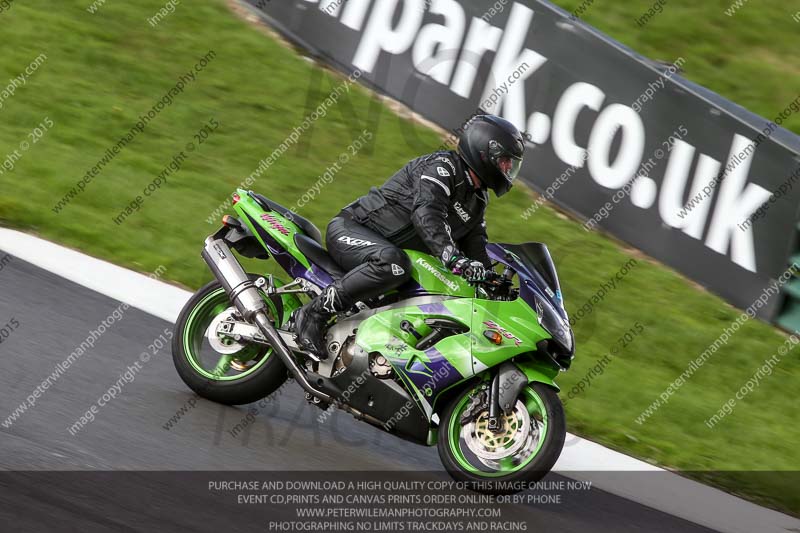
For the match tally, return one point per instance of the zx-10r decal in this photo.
(504, 332)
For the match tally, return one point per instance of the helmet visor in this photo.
(509, 166)
(507, 161)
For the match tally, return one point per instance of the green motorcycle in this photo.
(469, 368)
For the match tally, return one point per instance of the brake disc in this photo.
(222, 343)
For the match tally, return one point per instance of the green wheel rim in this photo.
(194, 335)
(536, 410)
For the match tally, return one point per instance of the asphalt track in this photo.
(89, 493)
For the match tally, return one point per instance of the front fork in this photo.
(503, 393)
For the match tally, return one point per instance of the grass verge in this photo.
(745, 54)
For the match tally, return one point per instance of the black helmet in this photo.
(492, 147)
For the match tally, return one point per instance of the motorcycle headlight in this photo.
(552, 322)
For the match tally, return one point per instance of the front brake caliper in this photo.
(479, 403)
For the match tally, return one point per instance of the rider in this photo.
(434, 204)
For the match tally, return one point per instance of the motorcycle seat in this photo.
(318, 255)
(306, 225)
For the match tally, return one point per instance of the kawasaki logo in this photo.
(438, 274)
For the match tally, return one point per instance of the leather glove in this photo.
(469, 269)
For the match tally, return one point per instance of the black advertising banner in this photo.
(626, 144)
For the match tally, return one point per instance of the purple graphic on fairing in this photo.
(411, 288)
(438, 374)
(435, 308)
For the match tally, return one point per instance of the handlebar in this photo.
(493, 279)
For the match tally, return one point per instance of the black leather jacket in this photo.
(429, 205)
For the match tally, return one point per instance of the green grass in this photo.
(104, 70)
(750, 57)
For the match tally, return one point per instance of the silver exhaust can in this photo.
(226, 268)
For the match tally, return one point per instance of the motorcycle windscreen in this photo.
(536, 257)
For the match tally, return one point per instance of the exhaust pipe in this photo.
(239, 288)
(245, 296)
(277, 343)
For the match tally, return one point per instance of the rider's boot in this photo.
(311, 320)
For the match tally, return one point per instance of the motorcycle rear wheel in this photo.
(241, 373)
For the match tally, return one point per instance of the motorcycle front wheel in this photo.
(502, 462)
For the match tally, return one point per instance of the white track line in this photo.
(581, 459)
(137, 290)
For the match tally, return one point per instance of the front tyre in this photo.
(502, 463)
(221, 369)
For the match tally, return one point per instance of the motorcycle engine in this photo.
(380, 366)
(345, 356)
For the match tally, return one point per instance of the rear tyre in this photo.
(220, 369)
(502, 463)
